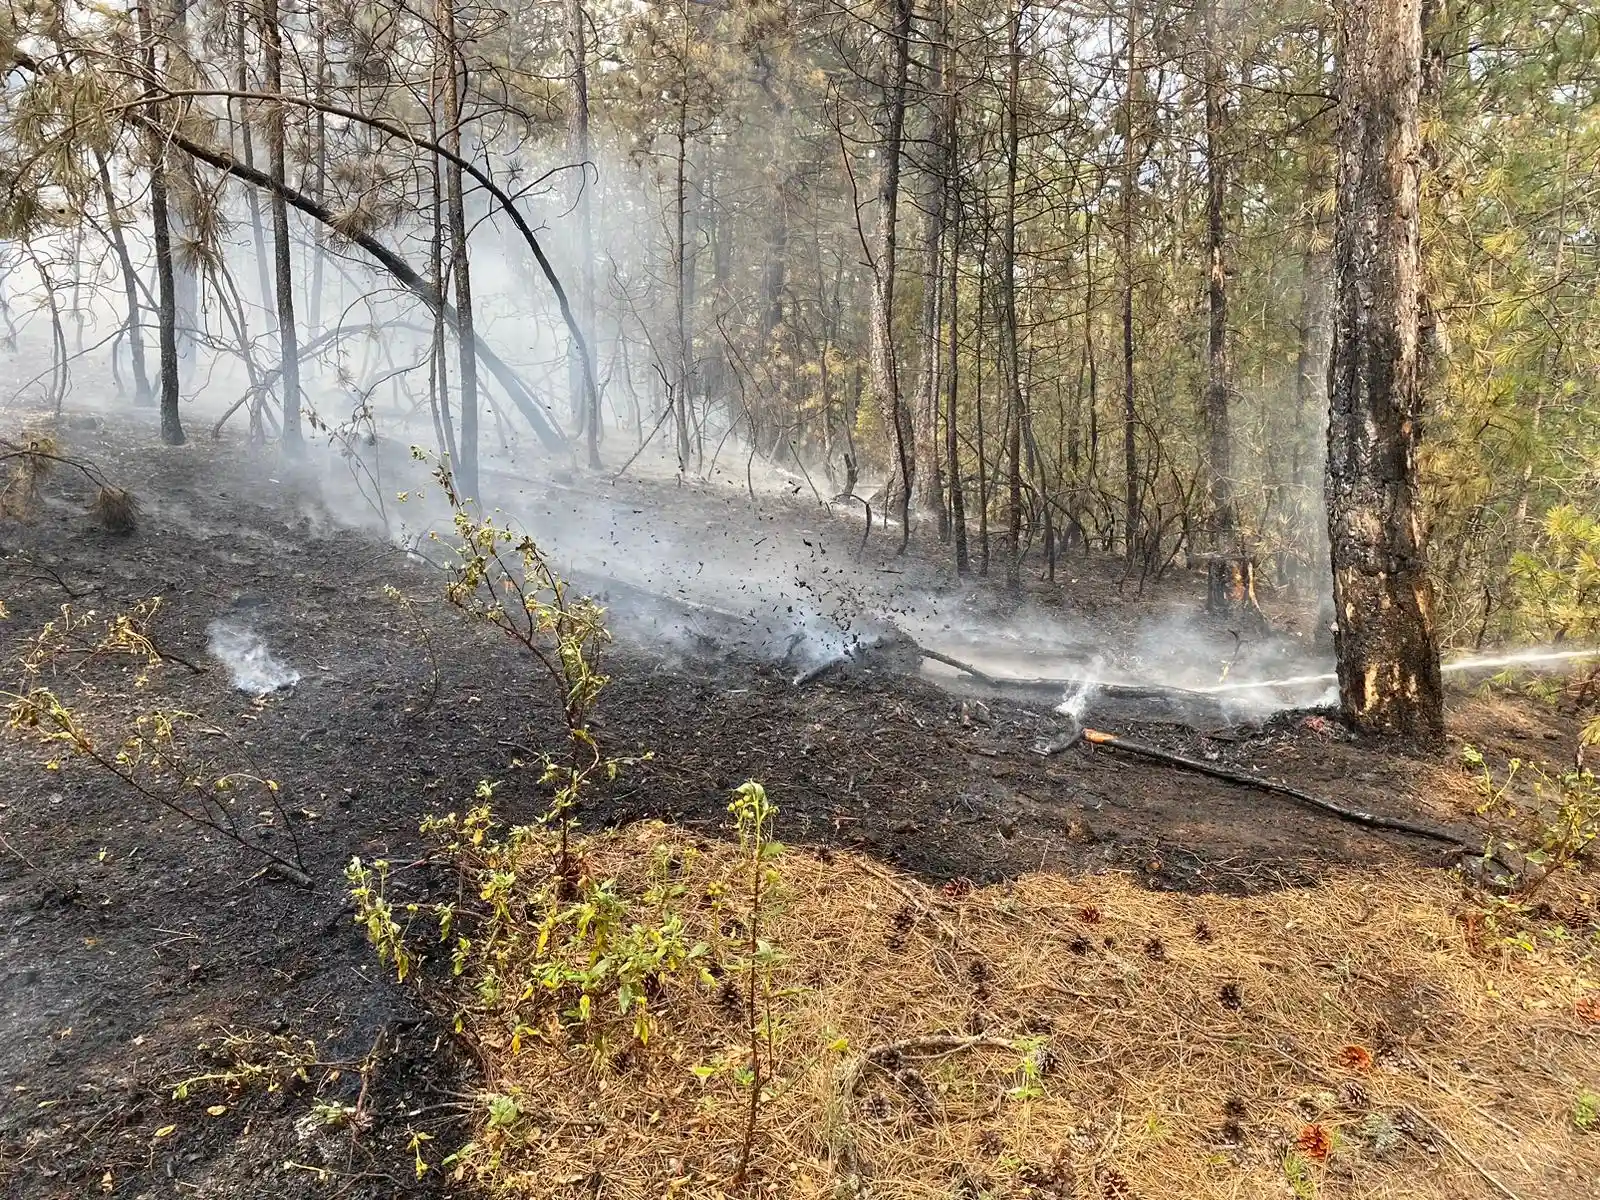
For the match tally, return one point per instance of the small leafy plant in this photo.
(1586, 1112)
(753, 815)
(1557, 822)
(55, 703)
(503, 577)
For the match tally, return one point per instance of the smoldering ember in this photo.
(878, 599)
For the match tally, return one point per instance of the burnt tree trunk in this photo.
(1008, 294)
(1218, 436)
(885, 376)
(1130, 184)
(453, 82)
(283, 272)
(1386, 646)
(587, 397)
(161, 235)
(681, 285)
(958, 500)
(926, 467)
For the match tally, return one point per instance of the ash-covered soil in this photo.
(132, 939)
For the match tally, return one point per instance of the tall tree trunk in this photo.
(885, 375)
(1386, 646)
(283, 274)
(319, 185)
(185, 278)
(1218, 436)
(130, 283)
(1008, 296)
(680, 291)
(166, 292)
(958, 502)
(1311, 375)
(1130, 184)
(589, 397)
(925, 470)
(248, 155)
(977, 394)
(454, 85)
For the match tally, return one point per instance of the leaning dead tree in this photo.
(1388, 653)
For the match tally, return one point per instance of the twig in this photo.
(950, 933)
(935, 1046)
(1370, 820)
(168, 656)
(284, 871)
(1465, 1157)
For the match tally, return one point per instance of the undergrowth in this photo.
(541, 948)
(77, 694)
(1555, 814)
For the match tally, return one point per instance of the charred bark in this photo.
(1008, 292)
(585, 398)
(885, 375)
(926, 467)
(1386, 646)
(453, 81)
(283, 267)
(1130, 185)
(161, 235)
(1218, 436)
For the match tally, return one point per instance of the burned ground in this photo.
(132, 940)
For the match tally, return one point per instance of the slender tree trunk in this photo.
(958, 503)
(130, 283)
(578, 21)
(319, 185)
(1386, 646)
(977, 392)
(926, 467)
(1218, 436)
(166, 292)
(283, 274)
(885, 375)
(185, 279)
(248, 154)
(1130, 184)
(680, 292)
(1008, 294)
(454, 85)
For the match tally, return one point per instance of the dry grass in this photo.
(1367, 1038)
(26, 464)
(116, 509)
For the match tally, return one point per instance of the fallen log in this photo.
(1436, 833)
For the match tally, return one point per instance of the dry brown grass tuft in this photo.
(115, 508)
(1363, 1038)
(27, 462)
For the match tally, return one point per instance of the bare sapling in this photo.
(753, 815)
(152, 753)
(503, 577)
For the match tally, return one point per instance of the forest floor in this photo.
(140, 951)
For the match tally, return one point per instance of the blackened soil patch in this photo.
(130, 939)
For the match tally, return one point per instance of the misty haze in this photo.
(819, 598)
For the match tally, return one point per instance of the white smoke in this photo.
(251, 665)
(1075, 704)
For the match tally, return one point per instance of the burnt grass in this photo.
(132, 938)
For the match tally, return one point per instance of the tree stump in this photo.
(1231, 587)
